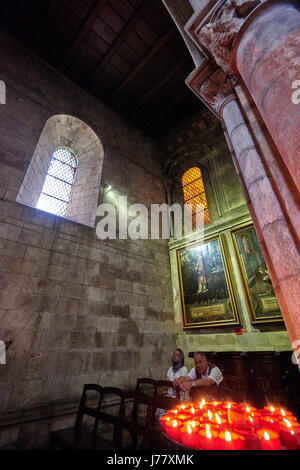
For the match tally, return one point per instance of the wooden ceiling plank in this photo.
(85, 27)
(161, 82)
(128, 28)
(156, 46)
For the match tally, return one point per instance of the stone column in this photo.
(278, 240)
(266, 55)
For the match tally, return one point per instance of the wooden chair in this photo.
(81, 437)
(155, 439)
(144, 426)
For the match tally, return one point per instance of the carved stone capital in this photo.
(212, 86)
(217, 35)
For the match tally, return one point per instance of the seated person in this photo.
(204, 375)
(177, 370)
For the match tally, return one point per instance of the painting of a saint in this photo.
(259, 290)
(206, 298)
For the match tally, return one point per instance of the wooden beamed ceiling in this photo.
(128, 53)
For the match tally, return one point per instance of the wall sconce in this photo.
(107, 188)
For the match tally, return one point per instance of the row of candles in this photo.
(231, 426)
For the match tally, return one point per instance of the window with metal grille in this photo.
(57, 188)
(194, 193)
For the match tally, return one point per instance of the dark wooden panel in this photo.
(111, 18)
(130, 54)
(146, 32)
(104, 31)
(79, 8)
(123, 8)
(271, 377)
(121, 64)
(97, 43)
(137, 43)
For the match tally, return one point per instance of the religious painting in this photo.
(261, 297)
(206, 285)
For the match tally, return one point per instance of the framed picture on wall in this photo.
(206, 289)
(263, 305)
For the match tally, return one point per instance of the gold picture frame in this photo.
(206, 284)
(262, 302)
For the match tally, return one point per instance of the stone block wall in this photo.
(201, 141)
(80, 309)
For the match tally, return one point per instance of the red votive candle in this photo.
(248, 409)
(270, 422)
(216, 404)
(229, 440)
(208, 438)
(252, 441)
(291, 438)
(253, 420)
(173, 429)
(269, 440)
(270, 410)
(282, 413)
(189, 435)
(163, 420)
(185, 406)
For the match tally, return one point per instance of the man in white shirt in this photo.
(204, 375)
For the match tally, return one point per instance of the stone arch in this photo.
(68, 131)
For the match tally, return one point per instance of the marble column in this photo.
(266, 55)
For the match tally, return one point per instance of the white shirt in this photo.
(179, 373)
(214, 374)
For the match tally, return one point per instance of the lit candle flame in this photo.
(218, 419)
(227, 436)
(229, 405)
(266, 436)
(209, 415)
(175, 424)
(282, 412)
(189, 429)
(203, 402)
(182, 407)
(207, 426)
(247, 409)
(292, 432)
(208, 434)
(272, 409)
(250, 419)
(192, 410)
(193, 424)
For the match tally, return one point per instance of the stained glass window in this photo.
(194, 193)
(56, 191)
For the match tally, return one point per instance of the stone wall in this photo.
(201, 142)
(80, 309)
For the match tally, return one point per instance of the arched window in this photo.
(56, 192)
(50, 184)
(194, 193)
